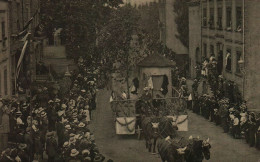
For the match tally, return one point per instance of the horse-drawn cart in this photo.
(128, 113)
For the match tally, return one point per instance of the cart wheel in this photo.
(138, 131)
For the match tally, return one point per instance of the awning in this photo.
(21, 58)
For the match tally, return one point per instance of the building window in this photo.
(204, 51)
(212, 49)
(219, 18)
(5, 81)
(239, 19)
(228, 60)
(238, 57)
(211, 18)
(3, 34)
(204, 17)
(229, 19)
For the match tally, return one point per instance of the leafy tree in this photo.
(80, 19)
(182, 20)
(116, 36)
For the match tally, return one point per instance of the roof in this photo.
(156, 60)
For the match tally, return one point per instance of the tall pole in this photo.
(127, 74)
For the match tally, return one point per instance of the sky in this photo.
(138, 2)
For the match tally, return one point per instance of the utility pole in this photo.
(127, 74)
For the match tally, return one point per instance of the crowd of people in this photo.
(224, 104)
(53, 124)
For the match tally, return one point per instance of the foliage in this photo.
(116, 36)
(182, 20)
(80, 19)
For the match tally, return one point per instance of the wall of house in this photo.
(194, 37)
(4, 50)
(252, 57)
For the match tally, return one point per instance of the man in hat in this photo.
(51, 147)
(60, 132)
(43, 126)
(74, 156)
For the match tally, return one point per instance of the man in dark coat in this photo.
(51, 147)
(29, 142)
(60, 133)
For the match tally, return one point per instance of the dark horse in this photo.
(154, 128)
(150, 130)
(170, 151)
(197, 150)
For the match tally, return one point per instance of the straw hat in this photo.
(67, 127)
(66, 144)
(64, 106)
(74, 152)
(85, 152)
(83, 90)
(81, 125)
(57, 100)
(72, 135)
(50, 101)
(40, 110)
(43, 114)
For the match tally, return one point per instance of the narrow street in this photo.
(128, 148)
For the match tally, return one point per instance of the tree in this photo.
(115, 37)
(80, 19)
(182, 20)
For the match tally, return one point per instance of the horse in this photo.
(197, 150)
(167, 127)
(150, 131)
(155, 127)
(170, 151)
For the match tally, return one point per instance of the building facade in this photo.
(4, 50)
(23, 21)
(227, 29)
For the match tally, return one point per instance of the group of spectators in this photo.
(224, 104)
(52, 124)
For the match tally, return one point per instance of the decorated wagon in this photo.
(156, 98)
